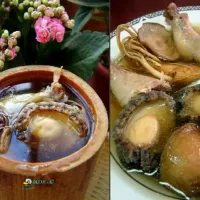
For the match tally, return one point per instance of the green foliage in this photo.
(81, 53)
(91, 3)
(82, 16)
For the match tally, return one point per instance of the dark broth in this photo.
(21, 151)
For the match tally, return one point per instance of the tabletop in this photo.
(127, 10)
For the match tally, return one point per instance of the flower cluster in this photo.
(39, 8)
(49, 29)
(48, 18)
(8, 46)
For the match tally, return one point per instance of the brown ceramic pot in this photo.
(71, 173)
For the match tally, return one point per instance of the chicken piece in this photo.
(186, 39)
(126, 84)
(57, 89)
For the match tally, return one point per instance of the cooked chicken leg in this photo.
(186, 39)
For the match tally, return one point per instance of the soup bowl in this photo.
(64, 178)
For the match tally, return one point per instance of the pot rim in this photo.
(76, 158)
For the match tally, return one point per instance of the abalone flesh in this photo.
(180, 161)
(142, 129)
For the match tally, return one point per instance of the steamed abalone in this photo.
(73, 112)
(180, 162)
(188, 103)
(47, 118)
(142, 129)
(5, 132)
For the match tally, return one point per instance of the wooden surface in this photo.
(127, 10)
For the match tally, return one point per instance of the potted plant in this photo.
(94, 15)
(41, 32)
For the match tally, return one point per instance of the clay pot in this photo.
(71, 174)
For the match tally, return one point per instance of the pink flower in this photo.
(14, 54)
(57, 30)
(43, 35)
(49, 29)
(42, 22)
(41, 28)
(58, 21)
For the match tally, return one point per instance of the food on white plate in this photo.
(155, 104)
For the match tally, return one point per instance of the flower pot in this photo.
(71, 173)
(100, 83)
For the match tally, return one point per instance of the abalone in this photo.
(188, 103)
(72, 111)
(180, 161)
(142, 129)
(5, 132)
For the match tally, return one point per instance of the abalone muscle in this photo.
(5, 132)
(188, 103)
(180, 161)
(142, 129)
(73, 111)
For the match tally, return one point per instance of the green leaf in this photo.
(81, 18)
(91, 3)
(81, 53)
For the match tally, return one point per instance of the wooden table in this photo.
(126, 10)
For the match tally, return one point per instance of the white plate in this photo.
(134, 186)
